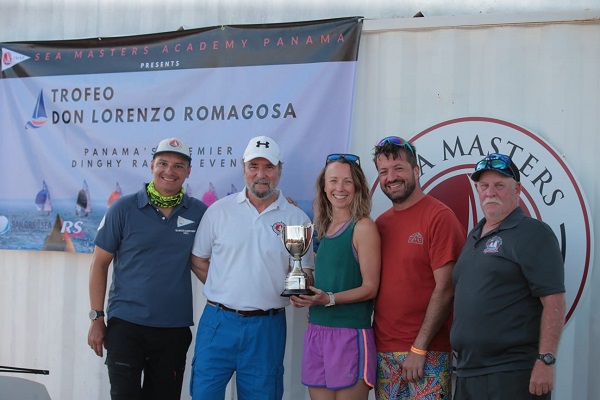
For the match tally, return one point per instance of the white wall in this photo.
(411, 76)
(76, 19)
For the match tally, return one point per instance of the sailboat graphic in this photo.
(58, 240)
(39, 117)
(211, 196)
(115, 195)
(83, 205)
(42, 200)
(233, 190)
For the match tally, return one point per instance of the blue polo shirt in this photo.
(151, 281)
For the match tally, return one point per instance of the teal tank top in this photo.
(337, 270)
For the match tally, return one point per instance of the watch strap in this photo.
(331, 300)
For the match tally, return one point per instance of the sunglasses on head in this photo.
(348, 157)
(496, 161)
(397, 141)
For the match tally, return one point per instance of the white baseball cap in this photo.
(262, 146)
(173, 145)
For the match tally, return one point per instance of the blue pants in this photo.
(253, 347)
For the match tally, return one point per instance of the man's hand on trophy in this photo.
(296, 301)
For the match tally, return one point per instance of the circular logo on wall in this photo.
(448, 153)
(4, 224)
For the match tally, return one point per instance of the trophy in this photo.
(297, 240)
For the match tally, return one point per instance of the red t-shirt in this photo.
(414, 243)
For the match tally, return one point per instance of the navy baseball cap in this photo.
(499, 163)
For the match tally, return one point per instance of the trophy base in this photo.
(296, 292)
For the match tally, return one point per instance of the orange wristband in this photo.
(418, 351)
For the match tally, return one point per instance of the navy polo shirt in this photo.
(151, 281)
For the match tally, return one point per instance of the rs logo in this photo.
(71, 228)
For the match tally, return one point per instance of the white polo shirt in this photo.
(248, 262)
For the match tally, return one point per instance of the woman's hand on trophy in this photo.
(319, 298)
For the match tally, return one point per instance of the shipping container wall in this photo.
(539, 72)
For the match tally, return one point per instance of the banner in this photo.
(81, 118)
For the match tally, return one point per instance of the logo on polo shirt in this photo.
(183, 222)
(493, 245)
(277, 227)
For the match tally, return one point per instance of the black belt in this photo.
(250, 313)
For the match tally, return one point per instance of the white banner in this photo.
(73, 138)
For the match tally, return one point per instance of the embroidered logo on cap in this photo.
(259, 143)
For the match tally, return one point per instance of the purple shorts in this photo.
(336, 358)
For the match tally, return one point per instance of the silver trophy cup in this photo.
(297, 240)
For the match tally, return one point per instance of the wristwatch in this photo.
(547, 358)
(331, 300)
(95, 314)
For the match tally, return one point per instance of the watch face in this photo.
(94, 314)
(547, 358)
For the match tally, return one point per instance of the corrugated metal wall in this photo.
(537, 70)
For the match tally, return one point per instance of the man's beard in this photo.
(266, 193)
(399, 196)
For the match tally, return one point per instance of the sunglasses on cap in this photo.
(348, 157)
(497, 162)
(398, 141)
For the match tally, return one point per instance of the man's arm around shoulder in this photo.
(200, 267)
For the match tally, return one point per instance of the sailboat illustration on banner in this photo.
(57, 240)
(39, 116)
(84, 202)
(211, 196)
(233, 190)
(42, 200)
(115, 195)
